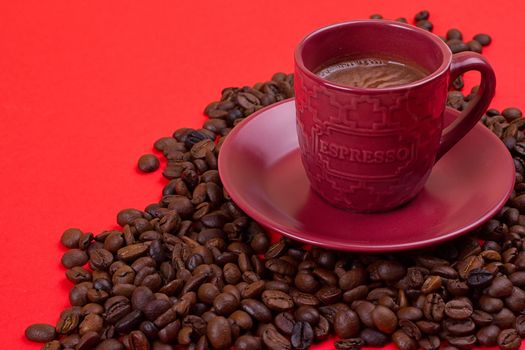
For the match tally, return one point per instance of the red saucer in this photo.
(260, 167)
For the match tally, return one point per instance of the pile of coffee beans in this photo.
(193, 271)
(453, 37)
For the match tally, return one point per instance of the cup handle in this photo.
(461, 63)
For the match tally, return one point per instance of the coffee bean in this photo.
(479, 278)
(459, 327)
(516, 300)
(488, 336)
(116, 307)
(432, 342)
(248, 342)
(346, 324)
(475, 46)
(225, 304)
(218, 332)
(512, 113)
(458, 309)
(349, 344)
(425, 24)
(277, 300)
(306, 282)
(74, 257)
(148, 163)
(410, 313)
(428, 327)
(454, 34)
(352, 279)
(421, 15)
(384, 319)
(308, 314)
(68, 322)
(509, 339)
(500, 287)
(504, 318)
(465, 342)
(138, 341)
(403, 341)
(274, 340)
(110, 344)
(257, 310)
(434, 307)
(40, 332)
(302, 335)
(483, 39)
(373, 337)
(410, 329)
(70, 237)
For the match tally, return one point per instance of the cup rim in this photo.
(447, 55)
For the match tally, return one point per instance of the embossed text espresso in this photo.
(362, 155)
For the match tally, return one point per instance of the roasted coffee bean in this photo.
(459, 327)
(352, 278)
(434, 307)
(425, 24)
(308, 314)
(504, 318)
(509, 339)
(277, 300)
(40, 332)
(488, 336)
(273, 340)
(257, 310)
(302, 335)
(346, 324)
(349, 344)
(52, 345)
(421, 15)
(516, 300)
(71, 237)
(218, 332)
(489, 304)
(91, 323)
(432, 342)
(458, 309)
(248, 342)
(483, 39)
(479, 278)
(411, 329)
(373, 337)
(225, 303)
(116, 307)
(74, 257)
(431, 284)
(454, 34)
(384, 319)
(148, 163)
(410, 313)
(88, 341)
(110, 344)
(403, 341)
(68, 322)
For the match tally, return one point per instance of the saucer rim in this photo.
(286, 231)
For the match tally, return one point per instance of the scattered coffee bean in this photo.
(148, 163)
(40, 332)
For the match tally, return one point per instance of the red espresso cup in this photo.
(372, 149)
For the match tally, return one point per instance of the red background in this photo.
(87, 86)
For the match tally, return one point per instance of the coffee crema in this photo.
(371, 71)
